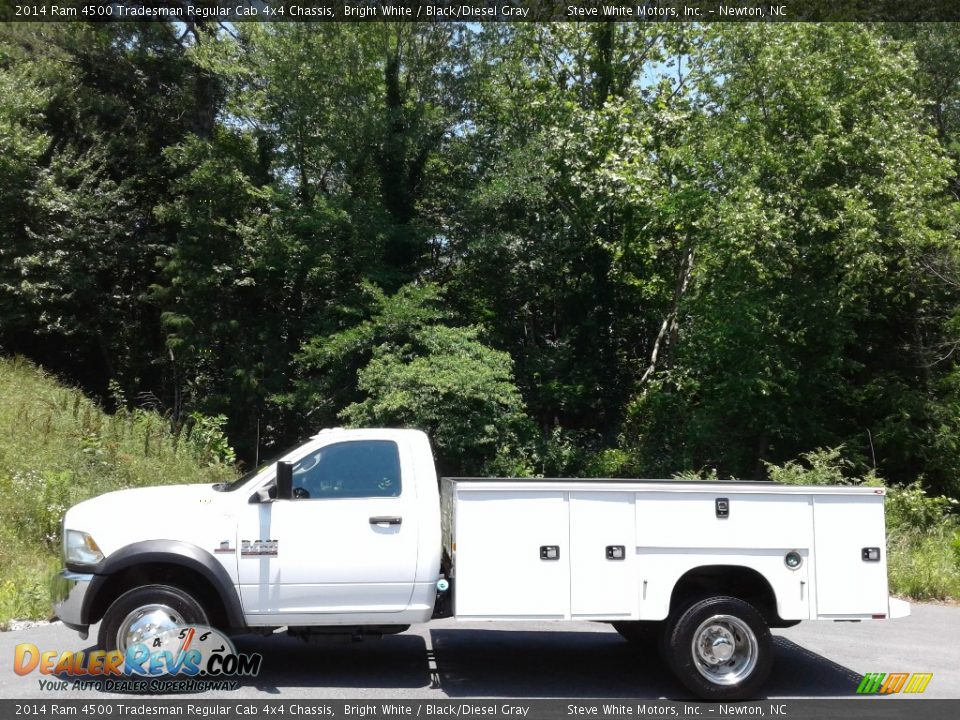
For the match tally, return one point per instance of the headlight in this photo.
(80, 549)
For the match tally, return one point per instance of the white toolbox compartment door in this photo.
(845, 526)
(499, 571)
(602, 554)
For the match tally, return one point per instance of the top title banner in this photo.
(475, 11)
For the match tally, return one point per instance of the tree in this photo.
(361, 113)
(804, 322)
(404, 367)
(449, 384)
(538, 249)
(85, 243)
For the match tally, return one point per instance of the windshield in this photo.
(246, 477)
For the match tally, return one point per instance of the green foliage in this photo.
(540, 253)
(702, 475)
(24, 580)
(576, 453)
(817, 467)
(806, 260)
(609, 463)
(449, 384)
(83, 243)
(562, 453)
(924, 565)
(58, 448)
(413, 371)
(206, 436)
(328, 364)
(911, 509)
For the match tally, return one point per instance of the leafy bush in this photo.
(207, 437)
(610, 463)
(448, 383)
(923, 540)
(704, 474)
(823, 466)
(910, 508)
(406, 366)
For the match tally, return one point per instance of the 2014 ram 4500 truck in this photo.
(352, 533)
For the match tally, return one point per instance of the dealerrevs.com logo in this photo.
(191, 658)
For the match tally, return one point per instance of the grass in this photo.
(924, 565)
(923, 544)
(57, 448)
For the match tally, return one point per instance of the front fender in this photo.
(174, 553)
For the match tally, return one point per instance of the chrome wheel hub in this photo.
(145, 622)
(725, 649)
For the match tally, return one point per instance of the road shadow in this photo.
(798, 672)
(473, 663)
(566, 664)
(396, 661)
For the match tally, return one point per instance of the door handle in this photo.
(386, 520)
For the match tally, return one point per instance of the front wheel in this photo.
(147, 611)
(720, 648)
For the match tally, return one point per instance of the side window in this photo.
(357, 469)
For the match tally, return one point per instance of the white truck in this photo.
(352, 533)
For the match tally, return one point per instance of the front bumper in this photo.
(68, 589)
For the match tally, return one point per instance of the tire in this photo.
(639, 632)
(719, 648)
(143, 611)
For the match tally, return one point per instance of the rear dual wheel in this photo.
(720, 648)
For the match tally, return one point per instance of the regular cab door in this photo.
(345, 543)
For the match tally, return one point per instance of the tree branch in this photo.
(669, 326)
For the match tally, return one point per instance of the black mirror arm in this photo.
(284, 480)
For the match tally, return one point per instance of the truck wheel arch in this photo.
(737, 581)
(173, 561)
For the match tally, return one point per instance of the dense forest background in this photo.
(601, 249)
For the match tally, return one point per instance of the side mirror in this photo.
(284, 481)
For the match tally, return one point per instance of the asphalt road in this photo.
(447, 659)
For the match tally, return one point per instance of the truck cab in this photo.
(353, 541)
